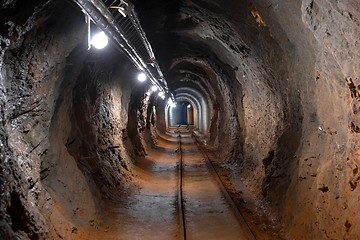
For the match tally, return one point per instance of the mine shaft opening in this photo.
(181, 114)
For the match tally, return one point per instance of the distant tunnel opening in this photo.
(181, 114)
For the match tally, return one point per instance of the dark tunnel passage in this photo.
(265, 92)
(181, 113)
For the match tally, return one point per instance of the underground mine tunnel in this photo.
(251, 132)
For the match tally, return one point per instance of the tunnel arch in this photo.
(194, 106)
(194, 109)
(181, 114)
(199, 104)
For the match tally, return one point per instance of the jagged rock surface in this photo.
(280, 79)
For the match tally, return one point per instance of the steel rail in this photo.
(236, 210)
(180, 192)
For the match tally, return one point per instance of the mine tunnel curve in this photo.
(270, 89)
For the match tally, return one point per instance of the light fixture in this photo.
(189, 106)
(141, 77)
(99, 40)
(154, 88)
(161, 95)
(171, 103)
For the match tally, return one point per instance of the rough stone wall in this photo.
(291, 68)
(94, 149)
(283, 96)
(318, 40)
(137, 123)
(151, 133)
(324, 183)
(30, 69)
(64, 114)
(160, 115)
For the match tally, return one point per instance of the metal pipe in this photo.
(102, 23)
(135, 21)
(88, 22)
(101, 16)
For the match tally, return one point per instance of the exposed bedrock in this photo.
(275, 86)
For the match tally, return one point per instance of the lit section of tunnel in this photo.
(274, 92)
(196, 110)
(181, 114)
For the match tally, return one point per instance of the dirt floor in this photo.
(208, 215)
(150, 211)
(255, 211)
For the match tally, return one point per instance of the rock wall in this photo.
(64, 120)
(30, 75)
(281, 83)
(320, 199)
(282, 78)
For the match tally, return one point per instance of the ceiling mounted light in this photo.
(99, 40)
(161, 95)
(171, 103)
(154, 88)
(141, 77)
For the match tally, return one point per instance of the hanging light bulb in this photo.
(161, 95)
(171, 103)
(189, 106)
(99, 40)
(141, 77)
(154, 88)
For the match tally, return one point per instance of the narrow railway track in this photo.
(180, 193)
(189, 213)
